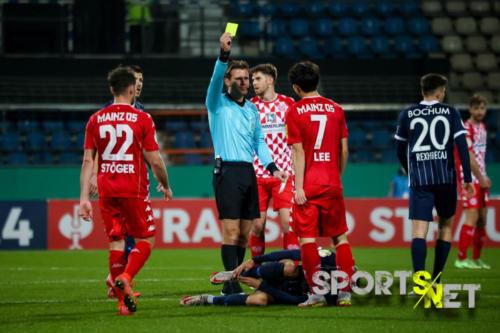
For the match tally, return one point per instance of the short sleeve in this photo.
(149, 142)
(292, 130)
(89, 142)
(402, 129)
(457, 125)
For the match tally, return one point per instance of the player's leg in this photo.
(479, 239)
(245, 227)
(282, 202)
(466, 237)
(257, 235)
(421, 204)
(230, 250)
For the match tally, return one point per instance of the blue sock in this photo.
(129, 245)
(230, 300)
(418, 253)
(440, 256)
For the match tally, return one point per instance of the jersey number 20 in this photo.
(432, 132)
(105, 130)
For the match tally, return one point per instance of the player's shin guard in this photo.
(345, 261)
(440, 256)
(290, 241)
(310, 262)
(257, 244)
(418, 253)
(465, 240)
(137, 258)
(478, 242)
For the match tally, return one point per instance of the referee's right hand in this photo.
(225, 42)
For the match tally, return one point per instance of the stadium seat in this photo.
(199, 125)
(283, 47)
(432, 7)
(473, 80)
(347, 26)
(493, 81)
(429, 44)
(384, 8)
(337, 9)
(314, 9)
(205, 140)
(389, 156)
(52, 125)
(250, 29)
(35, 141)
(309, 48)
(298, 28)
(68, 158)
(356, 46)
(184, 140)
(356, 137)
(323, 27)
(289, 9)
(456, 7)
(490, 25)
(418, 26)
(364, 156)
(380, 45)
(394, 26)
(461, 62)
(495, 44)
(360, 8)
(334, 47)
(476, 44)
(268, 9)
(80, 138)
(276, 28)
(458, 97)
(370, 26)
(193, 159)
(7, 126)
(454, 80)
(466, 25)
(26, 126)
(452, 44)
(486, 62)
(409, 8)
(442, 26)
(17, 158)
(404, 45)
(243, 9)
(381, 138)
(480, 7)
(60, 140)
(76, 126)
(11, 141)
(173, 126)
(42, 158)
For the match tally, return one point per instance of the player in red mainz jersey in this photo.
(123, 138)
(317, 132)
(272, 110)
(473, 230)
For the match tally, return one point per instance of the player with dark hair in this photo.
(473, 230)
(317, 132)
(272, 110)
(123, 139)
(426, 135)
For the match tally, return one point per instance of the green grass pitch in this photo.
(63, 291)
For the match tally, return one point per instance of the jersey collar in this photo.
(429, 102)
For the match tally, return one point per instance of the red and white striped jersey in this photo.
(272, 119)
(477, 137)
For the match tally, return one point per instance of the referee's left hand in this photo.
(281, 175)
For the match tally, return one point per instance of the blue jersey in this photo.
(430, 130)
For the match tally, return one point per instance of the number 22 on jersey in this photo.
(113, 133)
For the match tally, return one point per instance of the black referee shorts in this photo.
(236, 192)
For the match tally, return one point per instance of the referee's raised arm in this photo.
(214, 92)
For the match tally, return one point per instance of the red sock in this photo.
(465, 240)
(117, 263)
(137, 258)
(257, 244)
(290, 241)
(345, 261)
(478, 242)
(310, 261)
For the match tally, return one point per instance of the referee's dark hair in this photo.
(268, 69)
(429, 83)
(236, 64)
(120, 78)
(304, 74)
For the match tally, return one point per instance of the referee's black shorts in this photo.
(236, 192)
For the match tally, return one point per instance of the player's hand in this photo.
(281, 175)
(225, 42)
(250, 281)
(485, 182)
(247, 265)
(85, 210)
(93, 185)
(167, 192)
(300, 196)
(469, 190)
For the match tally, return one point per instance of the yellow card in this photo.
(232, 28)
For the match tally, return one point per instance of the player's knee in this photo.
(242, 240)
(257, 299)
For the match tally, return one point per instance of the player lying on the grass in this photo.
(276, 277)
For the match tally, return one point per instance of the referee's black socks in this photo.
(241, 254)
(229, 254)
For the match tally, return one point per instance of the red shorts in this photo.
(127, 217)
(479, 200)
(323, 214)
(269, 188)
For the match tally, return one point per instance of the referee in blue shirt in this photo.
(237, 137)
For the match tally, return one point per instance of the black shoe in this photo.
(226, 289)
(231, 287)
(236, 288)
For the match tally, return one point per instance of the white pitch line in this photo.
(82, 281)
(56, 301)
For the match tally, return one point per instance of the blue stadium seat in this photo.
(61, 140)
(17, 158)
(334, 47)
(10, 141)
(26, 126)
(394, 26)
(205, 140)
(337, 9)
(429, 44)
(200, 125)
(404, 45)
(418, 25)
(309, 48)
(75, 126)
(364, 156)
(70, 158)
(52, 125)
(283, 47)
(35, 141)
(298, 28)
(7, 126)
(42, 158)
(175, 125)
(184, 140)
(356, 46)
(409, 8)
(380, 45)
(193, 159)
(243, 9)
(348, 26)
(381, 138)
(289, 9)
(356, 137)
(384, 8)
(360, 8)
(80, 139)
(389, 156)
(323, 27)
(276, 28)
(370, 26)
(314, 9)
(250, 29)
(268, 9)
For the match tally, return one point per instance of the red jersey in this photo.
(272, 118)
(477, 138)
(119, 133)
(319, 124)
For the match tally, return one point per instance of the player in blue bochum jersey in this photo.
(426, 135)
